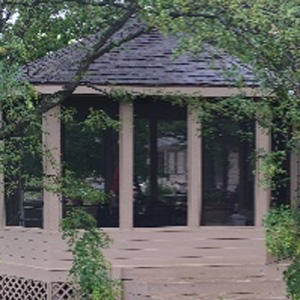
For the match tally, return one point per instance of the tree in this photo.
(29, 27)
(262, 34)
(28, 30)
(282, 240)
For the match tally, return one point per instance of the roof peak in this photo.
(147, 60)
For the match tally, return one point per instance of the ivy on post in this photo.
(90, 271)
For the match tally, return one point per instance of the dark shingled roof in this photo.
(148, 60)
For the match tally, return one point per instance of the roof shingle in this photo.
(147, 60)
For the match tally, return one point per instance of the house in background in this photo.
(185, 178)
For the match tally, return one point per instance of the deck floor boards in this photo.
(209, 263)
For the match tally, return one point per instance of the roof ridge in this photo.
(147, 60)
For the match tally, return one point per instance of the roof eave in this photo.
(185, 90)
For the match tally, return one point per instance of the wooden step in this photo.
(205, 283)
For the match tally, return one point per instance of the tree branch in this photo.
(193, 15)
(112, 3)
(102, 46)
(240, 31)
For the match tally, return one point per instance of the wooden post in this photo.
(294, 166)
(126, 166)
(194, 170)
(294, 173)
(52, 168)
(153, 156)
(2, 196)
(262, 194)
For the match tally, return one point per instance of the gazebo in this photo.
(159, 150)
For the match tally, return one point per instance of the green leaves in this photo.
(282, 232)
(264, 34)
(292, 278)
(23, 150)
(90, 269)
(76, 189)
(283, 242)
(40, 27)
(99, 120)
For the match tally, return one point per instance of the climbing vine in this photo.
(90, 271)
(282, 239)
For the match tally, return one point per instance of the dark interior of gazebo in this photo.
(160, 167)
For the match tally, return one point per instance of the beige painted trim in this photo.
(126, 166)
(182, 90)
(262, 194)
(2, 196)
(295, 167)
(194, 170)
(294, 177)
(294, 174)
(52, 168)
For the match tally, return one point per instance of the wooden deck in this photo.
(172, 263)
(177, 246)
(208, 263)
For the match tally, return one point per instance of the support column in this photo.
(52, 168)
(294, 165)
(2, 196)
(194, 170)
(294, 172)
(126, 166)
(262, 193)
(153, 156)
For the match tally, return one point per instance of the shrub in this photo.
(283, 242)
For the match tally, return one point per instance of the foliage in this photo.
(90, 269)
(254, 32)
(80, 191)
(281, 232)
(33, 28)
(263, 34)
(266, 36)
(292, 278)
(99, 120)
(88, 130)
(282, 240)
(30, 29)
